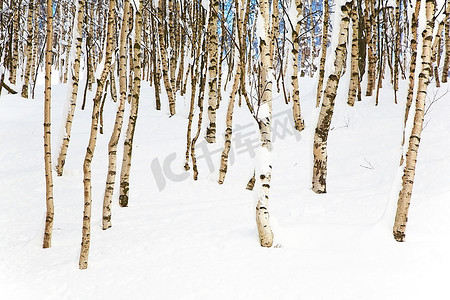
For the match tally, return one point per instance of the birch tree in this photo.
(114, 140)
(326, 110)
(447, 44)
(29, 53)
(213, 64)
(128, 144)
(412, 69)
(75, 71)
(47, 129)
(299, 124)
(325, 14)
(404, 198)
(86, 233)
(354, 78)
(264, 119)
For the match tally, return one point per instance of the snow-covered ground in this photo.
(181, 239)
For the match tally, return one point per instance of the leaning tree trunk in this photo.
(128, 144)
(47, 129)
(404, 197)
(264, 118)
(76, 39)
(436, 53)
(238, 79)
(412, 69)
(229, 125)
(114, 140)
(326, 111)
(86, 235)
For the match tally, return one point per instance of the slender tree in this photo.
(114, 140)
(354, 79)
(86, 233)
(47, 129)
(412, 69)
(75, 71)
(30, 35)
(264, 119)
(299, 124)
(326, 110)
(447, 44)
(323, 51)
(404, 198)
(212, 54)
(128, 144)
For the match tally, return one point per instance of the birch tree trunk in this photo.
(404, 197)
(299, 124)
(354, 79)
(396, 48)
(264, 118)
(447, 44)
(164, 59)
(213, 92)
(15, 41)
(370, 36)
(436, 53)
(30, 35)
(114, 140)
(47, 129)
(412, 69)
(324, 51)
(229, 125)
(86, 234)
(238, 79)
(77, 39)
(128, 144)
(326, 111)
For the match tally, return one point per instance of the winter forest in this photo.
(224, 149)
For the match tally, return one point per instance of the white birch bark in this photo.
(404, 197)
(264, 118)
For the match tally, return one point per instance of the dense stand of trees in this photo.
(250, 48)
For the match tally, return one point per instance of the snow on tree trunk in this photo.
(264, 118)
